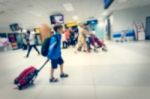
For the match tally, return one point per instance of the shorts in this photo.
(56, 62)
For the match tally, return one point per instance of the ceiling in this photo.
(31, 13)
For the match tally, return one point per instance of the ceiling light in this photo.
(68, 7)
(75, 17)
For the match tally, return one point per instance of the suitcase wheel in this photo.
(16, 81)
(20, 87)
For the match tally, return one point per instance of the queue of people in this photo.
(83, 40)
(69, 38)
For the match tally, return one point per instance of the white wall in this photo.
(124, 19)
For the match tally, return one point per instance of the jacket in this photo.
(54, 51)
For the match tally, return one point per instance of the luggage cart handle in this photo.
(43, 65)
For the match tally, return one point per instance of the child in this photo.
(54, 53)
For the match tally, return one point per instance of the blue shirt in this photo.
(54, 51)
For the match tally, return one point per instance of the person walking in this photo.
(31, 43)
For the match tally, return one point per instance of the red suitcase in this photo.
(97, 41)
(27, 77)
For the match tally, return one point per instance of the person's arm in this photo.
(53, 42)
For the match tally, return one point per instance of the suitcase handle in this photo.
(43, 65)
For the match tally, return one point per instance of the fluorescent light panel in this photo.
(68, 7)
(75, 17)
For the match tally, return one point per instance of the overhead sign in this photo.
(107, 3)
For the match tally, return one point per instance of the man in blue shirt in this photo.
(54, 53)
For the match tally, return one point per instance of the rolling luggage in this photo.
(27, 77)
(94, 40)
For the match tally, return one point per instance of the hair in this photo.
(28, 31)
(57, 27)
(67, 27)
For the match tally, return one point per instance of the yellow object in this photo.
(71, 24)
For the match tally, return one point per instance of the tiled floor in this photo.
(121, 73)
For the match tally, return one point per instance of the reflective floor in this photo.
(121, 73)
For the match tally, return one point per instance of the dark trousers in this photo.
(65, 44)
(72, 41)
(89, 43)
(24, 46)
(30, 48)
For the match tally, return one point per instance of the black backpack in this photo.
(45, 46)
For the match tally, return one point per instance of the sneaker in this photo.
(84, 50)
(95, 50)
(64, 75)
(104, 49)
(53, 80)
(26, 56)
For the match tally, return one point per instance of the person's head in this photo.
(59, 29)
(66, 28)
(86, 25)
(83, 25)
(28, 32)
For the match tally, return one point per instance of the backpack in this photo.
(45, 46)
